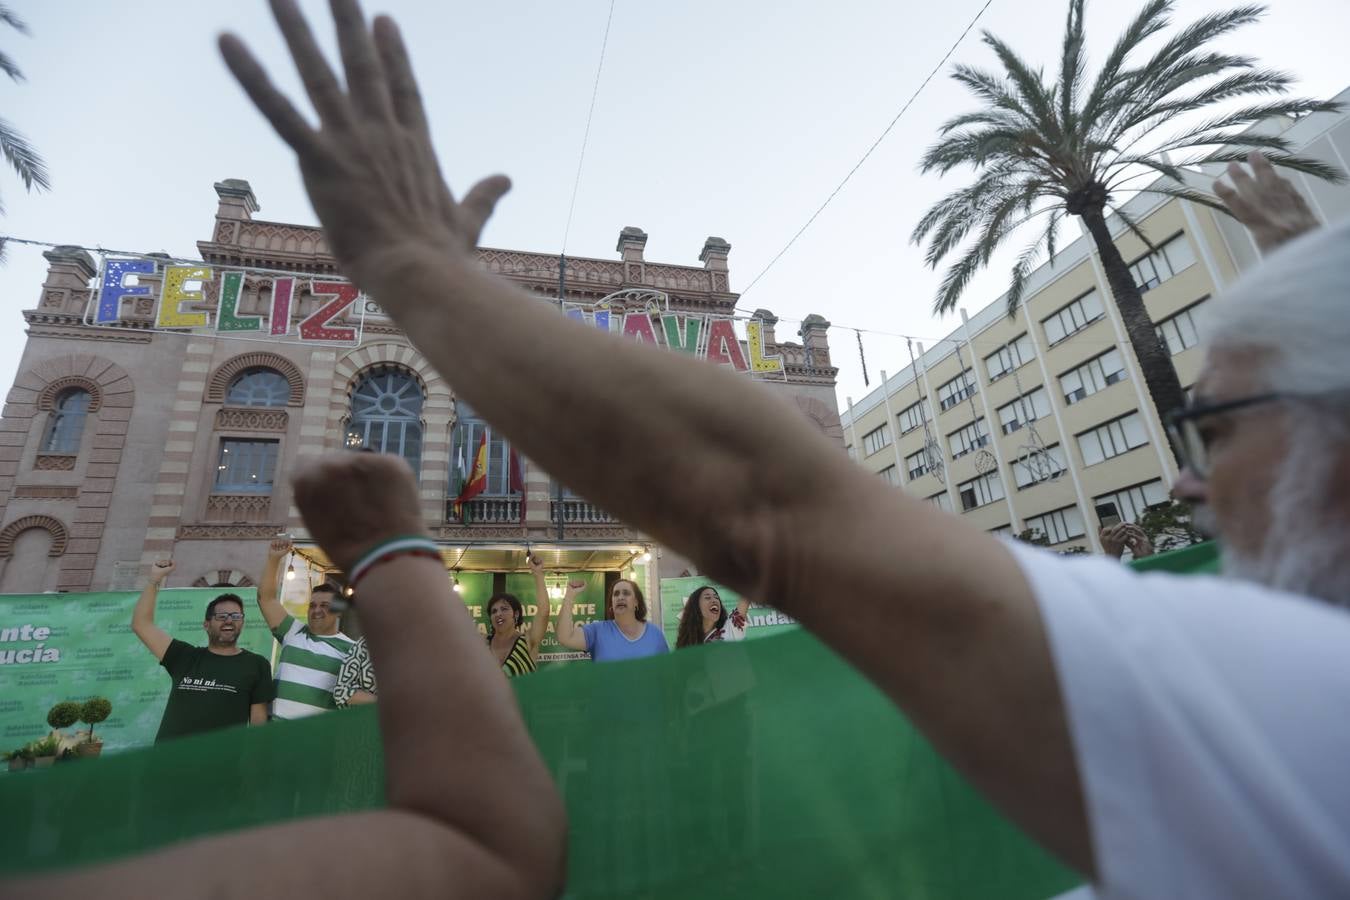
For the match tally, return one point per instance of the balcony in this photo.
(487, 511)
(578, 512)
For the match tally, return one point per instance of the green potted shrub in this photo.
(45, 750)
(19, 759)
(63, 715)
(93, 711)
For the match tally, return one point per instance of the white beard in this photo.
(1305, 550)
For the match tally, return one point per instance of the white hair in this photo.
(1295, 306)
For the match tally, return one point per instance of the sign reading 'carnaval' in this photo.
(182, 304)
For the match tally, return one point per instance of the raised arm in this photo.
(268, 603)
(539, 622)
(751, 491)
(567, 632)
(155, 639)
(1266, 202)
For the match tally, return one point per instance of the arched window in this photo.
(468, 434)
(258, 387)
(66, 425)
(386, 415)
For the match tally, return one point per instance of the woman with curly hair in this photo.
(705, 619)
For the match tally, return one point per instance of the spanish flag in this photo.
(476, 483)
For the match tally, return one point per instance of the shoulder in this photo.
(178, 651)
(287, 628)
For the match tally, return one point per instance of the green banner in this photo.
(56, 647)
(767, 768)
(764, 621)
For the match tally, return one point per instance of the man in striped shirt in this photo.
(311, 652)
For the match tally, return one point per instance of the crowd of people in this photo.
(1165, 736)
(319, 668)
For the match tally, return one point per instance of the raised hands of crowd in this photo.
(369, 166)
(1266, 202)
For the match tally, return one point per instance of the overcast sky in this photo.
(722, 118)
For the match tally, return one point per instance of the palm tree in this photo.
(15, 147)
(1069, 148)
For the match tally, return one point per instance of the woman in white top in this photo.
(705, 619)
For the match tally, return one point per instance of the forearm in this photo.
(268, 603)
(567, 633)
(143, 613)
(539, 622)
(725, 448)
(429, 655)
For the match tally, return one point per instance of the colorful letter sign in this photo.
(114, 287)
(175, 294)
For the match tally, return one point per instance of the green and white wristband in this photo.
(403, 545)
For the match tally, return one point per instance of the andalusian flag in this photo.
(476, 483)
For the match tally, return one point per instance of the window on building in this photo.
(913, 416)
(1002, 531)
(1028, 408)
(916, 464)
(246, 465)
(1059, 525)
(958, 389)
(876, 439)
(980, 491)
(1112, 438)
(972, 437)
(1092, 376)
(258, 387)
(1010, 356)
(1171, 257)
(1072, 317)
(65, 428)
(387, 415)
(1130, 503)
(1035, 471)
(465, 439)
(941, 500)
(891, 475)
(1178, 331)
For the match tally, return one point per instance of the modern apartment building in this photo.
(1042, 421)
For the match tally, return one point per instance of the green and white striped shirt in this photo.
(307, 670)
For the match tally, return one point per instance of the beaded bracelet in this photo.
(404, 545)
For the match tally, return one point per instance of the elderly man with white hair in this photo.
(1169, 737)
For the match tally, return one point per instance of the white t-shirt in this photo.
(1211, 724)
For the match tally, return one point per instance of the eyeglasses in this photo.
(1184, 429)
(228, 617)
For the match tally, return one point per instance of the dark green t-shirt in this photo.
(209, 690)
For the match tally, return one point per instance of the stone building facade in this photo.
(115, 441)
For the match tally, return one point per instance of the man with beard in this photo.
(215, 686)
(311, 653)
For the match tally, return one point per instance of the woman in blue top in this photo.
(626, 636)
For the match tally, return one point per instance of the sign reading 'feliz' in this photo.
(182, 296)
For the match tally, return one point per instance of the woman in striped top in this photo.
(517, 652)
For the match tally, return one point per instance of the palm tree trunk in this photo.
(1160, 376)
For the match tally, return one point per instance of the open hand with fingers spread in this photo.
(1266, 202)
(352, 501)
(369, 167)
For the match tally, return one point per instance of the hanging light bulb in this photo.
(290, 572)
(457, 587)
(348, 590)
(646, 556)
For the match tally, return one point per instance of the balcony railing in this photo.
(578, 512)
(486, 511)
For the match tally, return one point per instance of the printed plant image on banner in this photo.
(476, 590)
(764, 621)
(56, 647)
